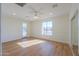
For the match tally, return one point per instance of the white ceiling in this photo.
(26, 13)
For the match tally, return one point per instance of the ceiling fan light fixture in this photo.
(50, 13)
(13, 14)
(36, 17)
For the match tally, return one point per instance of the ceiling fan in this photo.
(35, 12)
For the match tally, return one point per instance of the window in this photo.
(24, 29)
(47, 28)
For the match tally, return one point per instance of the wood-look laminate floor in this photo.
(35, 47)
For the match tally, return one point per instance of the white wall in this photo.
(60, 28)
(0, 33)
(11, 28)
(78, 28)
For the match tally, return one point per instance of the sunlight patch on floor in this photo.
(30, 43)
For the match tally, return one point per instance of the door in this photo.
(74, 33)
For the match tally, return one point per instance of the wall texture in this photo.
(60, 28)
(11, 28)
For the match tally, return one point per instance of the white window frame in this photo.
(24, 29)
(47, 24)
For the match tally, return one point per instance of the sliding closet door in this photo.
(74, 33)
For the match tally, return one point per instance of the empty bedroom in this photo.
(39, 29)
